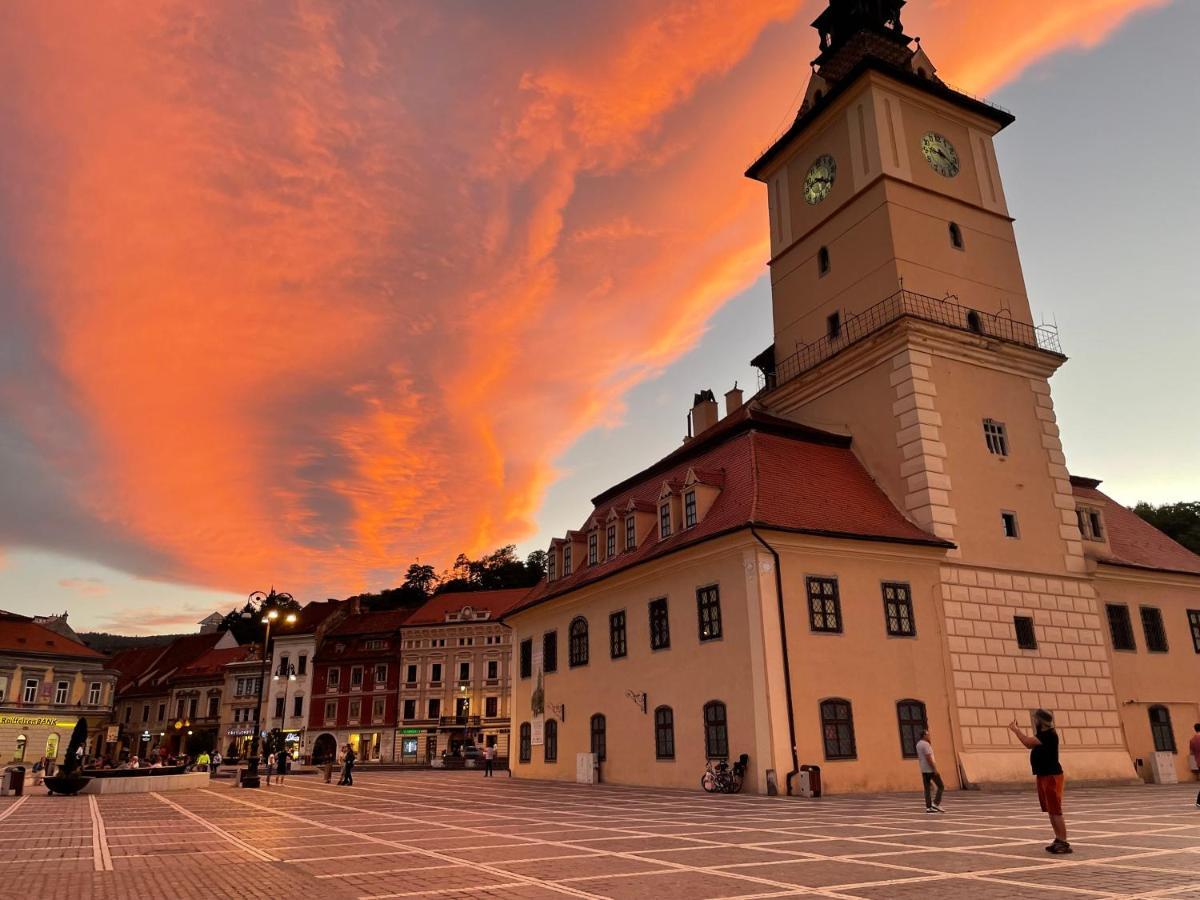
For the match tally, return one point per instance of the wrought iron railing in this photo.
(916, 306)
(459, 721)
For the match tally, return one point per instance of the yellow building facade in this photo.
(887, 532)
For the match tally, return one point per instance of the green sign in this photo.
(411, 730)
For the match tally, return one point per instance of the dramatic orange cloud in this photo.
(302, 291)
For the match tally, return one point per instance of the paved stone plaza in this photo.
(425, 834)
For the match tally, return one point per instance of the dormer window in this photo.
(566, 559)
(631, 532)
(689, 509)
(1090, 525)
(593, 548)
(610, 541)
(664, 519)
(550, 565)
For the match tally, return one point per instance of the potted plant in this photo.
(69, 779)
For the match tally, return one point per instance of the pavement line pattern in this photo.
(482, 867)
(217, 830)
(101, 857)
(12, 809)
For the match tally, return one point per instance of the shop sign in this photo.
(410, 730)
(292, 738)
(111, 734)
(35, 722)
(240, 732)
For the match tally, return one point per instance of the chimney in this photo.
(733, 400)
(355, 606)
(704, 412)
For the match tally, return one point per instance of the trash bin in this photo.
(13, 783)
(810, 781)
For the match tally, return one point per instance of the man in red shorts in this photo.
(1043, 759)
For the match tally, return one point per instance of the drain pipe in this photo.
(787, 669)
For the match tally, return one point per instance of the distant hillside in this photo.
(111, 643)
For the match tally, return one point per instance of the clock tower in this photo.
(901, 318)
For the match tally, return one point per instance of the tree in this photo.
(246, 623)
(421, 577)
(1178, 521)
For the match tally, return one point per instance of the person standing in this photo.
(281, 761)
(348, 767)
(489, 754)
(1194, 750)
(929, 774)
(214, 764)
(1043, 759)
(270, 768)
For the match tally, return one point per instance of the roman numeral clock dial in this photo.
(940, 154)
(819, 180)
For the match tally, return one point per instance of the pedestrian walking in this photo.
(270, 768)
(1043, 759)
(281, 760)
(489, 755)
(214, 764)
(929, 774)
(348, 766)
(1194, 752)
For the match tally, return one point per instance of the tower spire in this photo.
(854, 29)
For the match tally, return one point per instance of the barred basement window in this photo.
(1152, 627)
(1026, 638)
(716, 730)
(824, 606)
(1160, 728)
(1120, 626)
(550, 741)
(526, 743)
(630, 532)
(1194, 624)
(577, 639)
(610, 542)
(660, 625)
(550, 651)
(689, 509)
(837, 726)
(898, 609)
(616, 634)
(527, 658)
(708, 610)
(910, 714)
(664, 733)
(996, 436)
(599, 737)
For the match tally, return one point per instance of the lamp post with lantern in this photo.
(274, 600)
(288, 671)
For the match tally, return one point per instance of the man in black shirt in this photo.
(1043, 759)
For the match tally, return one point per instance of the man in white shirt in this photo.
(929, 773)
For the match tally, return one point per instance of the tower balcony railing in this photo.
(908, 304)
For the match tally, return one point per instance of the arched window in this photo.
(578, 642)
(956, 238)
(51, 747)
(599, 737)
(974, 322)
(664, 733)
(823, 261)
(1160, 728)
(526, 751)
(716, 732)
(910, 715)
(550, 741)
(837, 727)
(19, 755)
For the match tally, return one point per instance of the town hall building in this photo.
(886, 536)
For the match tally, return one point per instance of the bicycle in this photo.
(720, 778)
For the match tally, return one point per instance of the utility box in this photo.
(809, 781)
(587, 768)
(1162, 768)
(12, 784)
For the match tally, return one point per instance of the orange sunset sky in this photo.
(295, 292)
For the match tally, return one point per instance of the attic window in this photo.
(610, 541)
(566, 559)
(593, 548)
(1090, 525)
(631, 532)
(689, 509)
(664, 520)
(550, 567)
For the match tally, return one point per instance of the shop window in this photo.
(550, 741)
(599, 737)
(1160, 728)
(716, 730)
(824, 605)
(910, 716)
(660, 625)
(1026, 636)
(837, 727)
(708, 611)
(525, 743)
(1152, 628)
(617, 647)
(1120, 626)
(898, 609)
(664, 733)
(578, 642)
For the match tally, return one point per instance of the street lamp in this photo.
(273, 600)
(288, 671)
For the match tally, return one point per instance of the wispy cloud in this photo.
(153, 620)
(88, 587)
(304, 292)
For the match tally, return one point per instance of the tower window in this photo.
(833, 325)
(1026, 638)
(974, 323)
(1009, 521)
(823, 261)
(956, 237)
(996, 436)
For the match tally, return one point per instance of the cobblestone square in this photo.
(426, 834)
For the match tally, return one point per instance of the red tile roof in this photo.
(214, 661)
(1135, 542)
(179, 653)
(21, 634)
(309, 618)
(495, 602)
(384, 622)
(133, 662)
(777, 474)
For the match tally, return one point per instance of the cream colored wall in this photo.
(863, 664)
(1142, 678)
(685, 676)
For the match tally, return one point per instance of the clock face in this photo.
(940, 154)
(819, 180)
